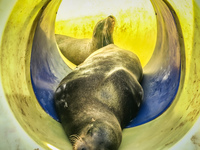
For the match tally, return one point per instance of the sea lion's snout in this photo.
(111, 22)
(82, 148)
(97, 137)
(112, 18)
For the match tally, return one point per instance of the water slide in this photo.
(165, 36)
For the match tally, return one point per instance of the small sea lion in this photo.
(99, 98)
(77, 50)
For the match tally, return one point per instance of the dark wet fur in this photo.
(99, 98)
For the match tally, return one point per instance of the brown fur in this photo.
(99, 98)
(77, 50)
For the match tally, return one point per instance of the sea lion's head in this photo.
(103, 32)
(97, 136)
(109, 24)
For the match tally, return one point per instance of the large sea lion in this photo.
(77, 50)
(99, 98)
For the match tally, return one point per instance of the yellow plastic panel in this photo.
(16, 49)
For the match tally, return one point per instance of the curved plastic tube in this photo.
(25, 122)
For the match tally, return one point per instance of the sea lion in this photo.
(99, 98)
(77, 50)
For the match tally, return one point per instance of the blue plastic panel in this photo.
(162, 73)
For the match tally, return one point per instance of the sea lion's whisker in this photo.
(74, 137)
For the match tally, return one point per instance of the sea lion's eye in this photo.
(111, 17)
(90, 132)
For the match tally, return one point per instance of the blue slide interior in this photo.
(161, 74)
